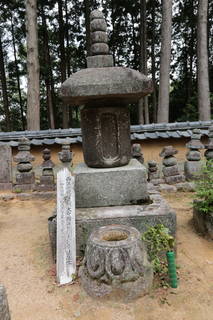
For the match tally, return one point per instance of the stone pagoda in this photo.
(193, 165)
(109, 185)
(105, 91)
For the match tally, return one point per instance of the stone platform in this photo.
(104, 187)
(139, 216)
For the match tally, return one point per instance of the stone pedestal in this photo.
(110, 186)
(47, 180)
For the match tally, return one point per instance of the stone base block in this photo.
(156, 182)
(48, 180)
(45, 187)
(6, 186)
(110, 186)
(174, 179)
(100, 61)
(192, 169)
(23, 187)
(170, 171)
(139, 216)
(25, 178)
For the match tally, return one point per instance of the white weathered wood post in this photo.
(66, 240)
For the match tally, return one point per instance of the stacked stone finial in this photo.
(137, 152)
(99, 49)
(170, 167)
(46, 155)
(99, 37)
(209, 146)
(154, 173)
(192, 166)
(25, 178)
(65, 155)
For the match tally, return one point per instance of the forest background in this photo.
(135, 39)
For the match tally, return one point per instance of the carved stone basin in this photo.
(115, 264)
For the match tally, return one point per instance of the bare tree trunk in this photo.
(166, 29)
(67, 39)
(68, 58)
(65, 111)
(87, 23)
(4, 88)
(143, 103)
(33, 89)
(48, 71)
(202, 55)
(154, 99)
(113, 30)
(17, 75)
(140, 111)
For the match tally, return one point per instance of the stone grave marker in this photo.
(5, 167)
(66, 240)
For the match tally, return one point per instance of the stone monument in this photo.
(65, 155)
(5, 167)
(154, 173)
(193, 165)
(46, 155)
(170, 167)
(47, 174)
(111, 187)
(137, 152)
(25, 178)
(105, 92)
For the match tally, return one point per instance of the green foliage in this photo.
(158, 242)
(204, 189)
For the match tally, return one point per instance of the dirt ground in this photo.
(27, 272)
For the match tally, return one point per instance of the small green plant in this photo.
(204, 189)
(158, 241)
